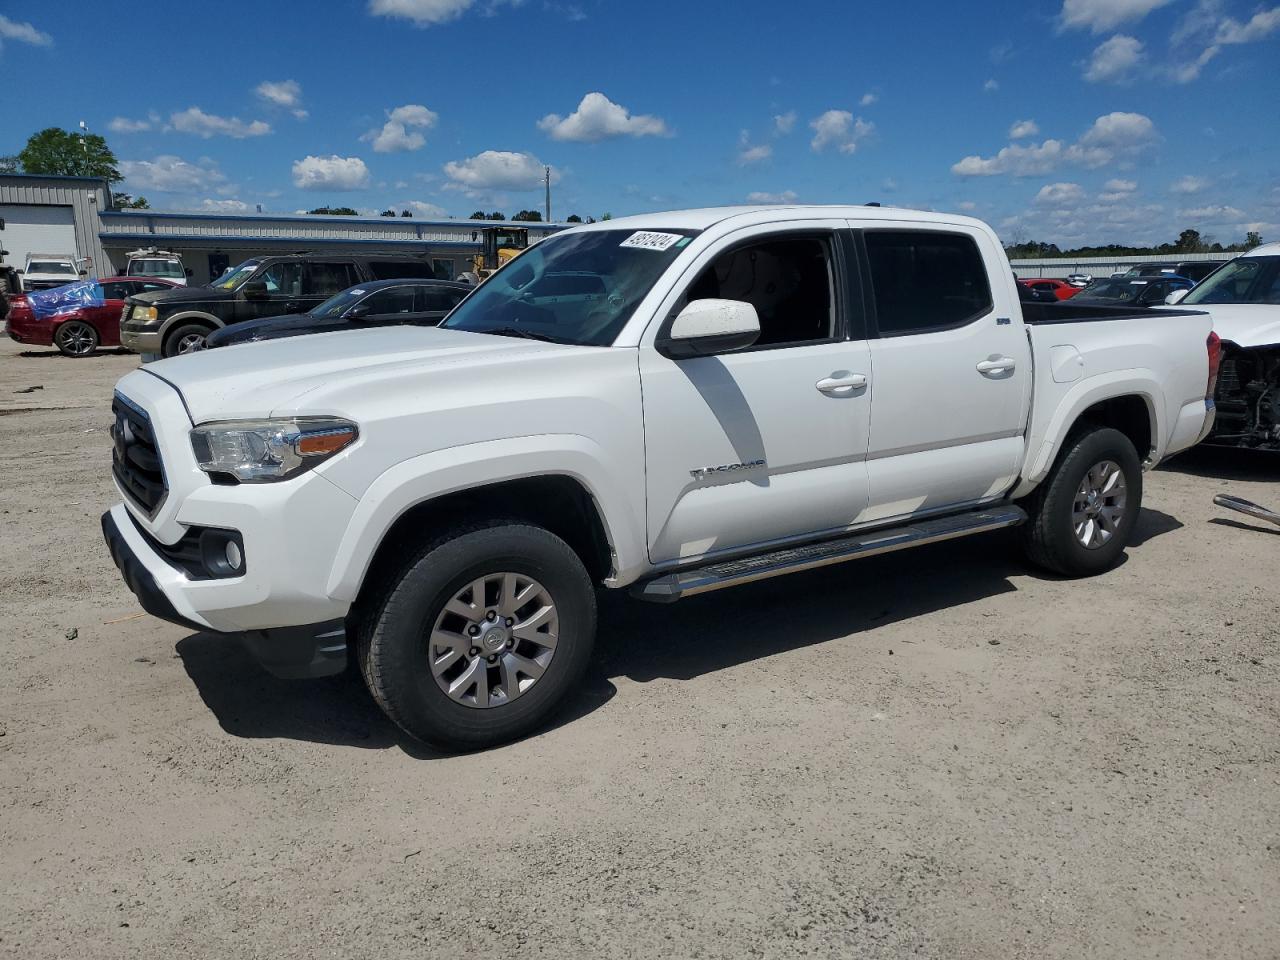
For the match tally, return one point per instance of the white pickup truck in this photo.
(672, 403)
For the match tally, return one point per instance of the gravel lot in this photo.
(940, 753)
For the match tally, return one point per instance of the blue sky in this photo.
(1069, 121)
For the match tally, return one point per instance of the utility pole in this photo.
(547, 180)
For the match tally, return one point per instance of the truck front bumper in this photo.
(140, 338)
(293, 653)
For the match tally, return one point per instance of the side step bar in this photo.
(729, 573)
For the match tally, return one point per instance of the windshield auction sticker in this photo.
(648, 240)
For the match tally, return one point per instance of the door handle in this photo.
(841, 383)
(995, 366)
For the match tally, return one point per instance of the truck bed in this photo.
(1064, 311)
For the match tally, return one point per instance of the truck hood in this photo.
(271, 377)
(1245, 324)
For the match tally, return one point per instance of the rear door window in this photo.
(324, 279)
(438, 301)
(389, 302)
(926, 280)
(283, 278)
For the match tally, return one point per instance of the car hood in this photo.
(323, 373)
(1244, 324)
(184, 296)
(262, 328)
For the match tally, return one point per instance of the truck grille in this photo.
(135, 457)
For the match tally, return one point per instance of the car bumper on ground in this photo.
(294, 652)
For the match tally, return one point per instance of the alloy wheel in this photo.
(1099, 505)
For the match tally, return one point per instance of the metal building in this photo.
(46, 214)
(73, 215)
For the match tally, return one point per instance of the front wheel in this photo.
(75, 338)
(1082, 515)
(482, 636)
(188, 338)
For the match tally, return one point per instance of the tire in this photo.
(1058, 535)
(186, 338)
(398, 632)
(75, 338)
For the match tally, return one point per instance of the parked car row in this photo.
(76, 318)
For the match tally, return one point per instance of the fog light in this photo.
(234, 556)
(222, 553)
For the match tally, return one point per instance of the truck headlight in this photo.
(141, 314)
(263, 451)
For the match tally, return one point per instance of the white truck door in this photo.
(765, 443)
(951, 366)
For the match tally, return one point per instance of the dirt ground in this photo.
(941, 753)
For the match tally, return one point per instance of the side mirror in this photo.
(705, 327)
(189, 272)
(254, 290)
(359, 311)
(84, 273)
(1176, 297)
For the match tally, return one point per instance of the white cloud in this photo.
(786, 196)
(23, 32)
(968, 206)
(282, 93)
(1188, 185)
(839, 129)
(867, 99)
(194, 120)
(1103, 15)
(395, 136)
(125, 125)
(749, 154)
(784, 123)
(424, 209)
(1229, 32)
(330, 173)
(422, 13)
(991, 86)
(599, 118)
(1214, 214)
(1060, 194)
(1023, 128)
(497, 170)
(224, 206)
(1113, 59)
(170, 174)
(1121, 186)
(1111, 137)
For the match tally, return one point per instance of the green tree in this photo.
(127, 201)
(334, 212)
(1252, 239)
(55, 151)
(497, 216)
(405, 213)
(528, 216)
(478, 215)
(573, 218)
(606, 216)
(1188, 242)
(387, 213)
(10, 164)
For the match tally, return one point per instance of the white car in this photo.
(157, 263)
(1244, 297)
(739, 393)
(44, 271)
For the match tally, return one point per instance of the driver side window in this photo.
(391, 301)
(787, 279)
(284, 278)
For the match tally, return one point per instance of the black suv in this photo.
(178, 321)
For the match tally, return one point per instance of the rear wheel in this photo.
(1082, 515)
(187, 338)
(75, 338)
(482, 637)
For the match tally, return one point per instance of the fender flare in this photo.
(1141, 383)
(455, 469)
(179, 317)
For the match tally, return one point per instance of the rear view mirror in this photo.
(710, 326)
(1176, 297)
(254, 290)
(359, 311)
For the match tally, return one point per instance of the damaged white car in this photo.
(1244, 298)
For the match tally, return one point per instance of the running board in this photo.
(729, 573)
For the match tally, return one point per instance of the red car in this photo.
(1059, 288)
(79, 329)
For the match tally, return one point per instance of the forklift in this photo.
(498, 245)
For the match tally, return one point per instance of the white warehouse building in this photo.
(73, 215)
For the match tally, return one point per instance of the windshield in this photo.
(233, 278)
(1119, 291)
(156, 268)
(338, 304)
(1243, 280)
(578, 288)
(51, 266)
